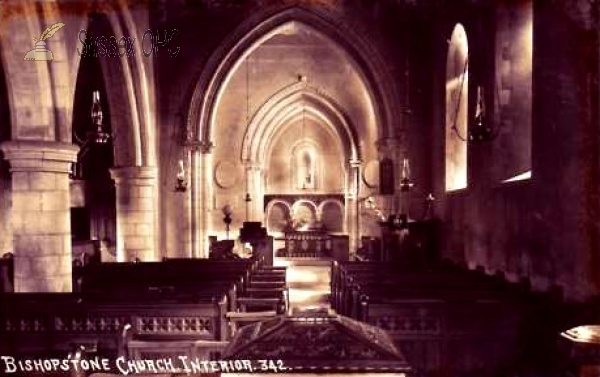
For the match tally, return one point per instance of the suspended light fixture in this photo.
(98, 134)
(480, 129)
(405, 182)
(307, 182)
(227, 213)
(248, 196)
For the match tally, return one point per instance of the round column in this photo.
(201, 197)
(40, 214)
(136, 211)
(352, 218)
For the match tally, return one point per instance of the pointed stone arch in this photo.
(129, 93)
(255, 30)
(288, 105)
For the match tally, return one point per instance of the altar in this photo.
(317, 244)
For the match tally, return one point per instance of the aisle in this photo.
(308, 281)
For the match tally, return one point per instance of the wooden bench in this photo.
(445, 320)
(238, 320)
(54, 323)
(168, 278)
(161, 346)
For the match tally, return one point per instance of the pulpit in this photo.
(412, 242)
(262, 244)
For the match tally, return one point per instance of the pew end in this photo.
(253, 304)
(240, 319)
(135, 347)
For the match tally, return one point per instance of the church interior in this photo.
(385, 187)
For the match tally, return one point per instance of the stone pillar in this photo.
(202, 197)
(41, 218)
(352, 218)
(136, 212)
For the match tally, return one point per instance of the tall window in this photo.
(457, 83)
(305, 167)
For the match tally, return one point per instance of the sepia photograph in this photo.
(240, 188)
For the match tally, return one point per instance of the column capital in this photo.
(355, 163)
(391, 147)
(39, 156)
(250, 165)
(129, 173)
(203, 146)
(389, 142)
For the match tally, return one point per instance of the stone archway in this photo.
(39, 151)
(380, 91)
(276, 116)
(231, 53)
(133, 134)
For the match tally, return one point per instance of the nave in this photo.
(352, 185)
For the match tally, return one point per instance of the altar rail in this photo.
(315, 244)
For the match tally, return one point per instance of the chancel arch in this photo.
(367, 62)
(265, 79)
(300, 131)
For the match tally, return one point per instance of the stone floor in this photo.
(308, 281)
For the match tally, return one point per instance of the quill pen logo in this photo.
(40, 53)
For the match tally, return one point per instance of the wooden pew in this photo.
(346, 279)
(161, 346)
(447, 321)
(170, 277)
(240, 319)
(52, 323)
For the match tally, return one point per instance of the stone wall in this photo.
(539, 229)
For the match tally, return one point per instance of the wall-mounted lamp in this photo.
(181, 184)
(227, 212)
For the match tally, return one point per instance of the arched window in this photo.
(305, 166)
(457, 83)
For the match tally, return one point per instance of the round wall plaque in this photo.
(227, 174)
(370, 174)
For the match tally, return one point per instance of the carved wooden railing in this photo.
(55, 323)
